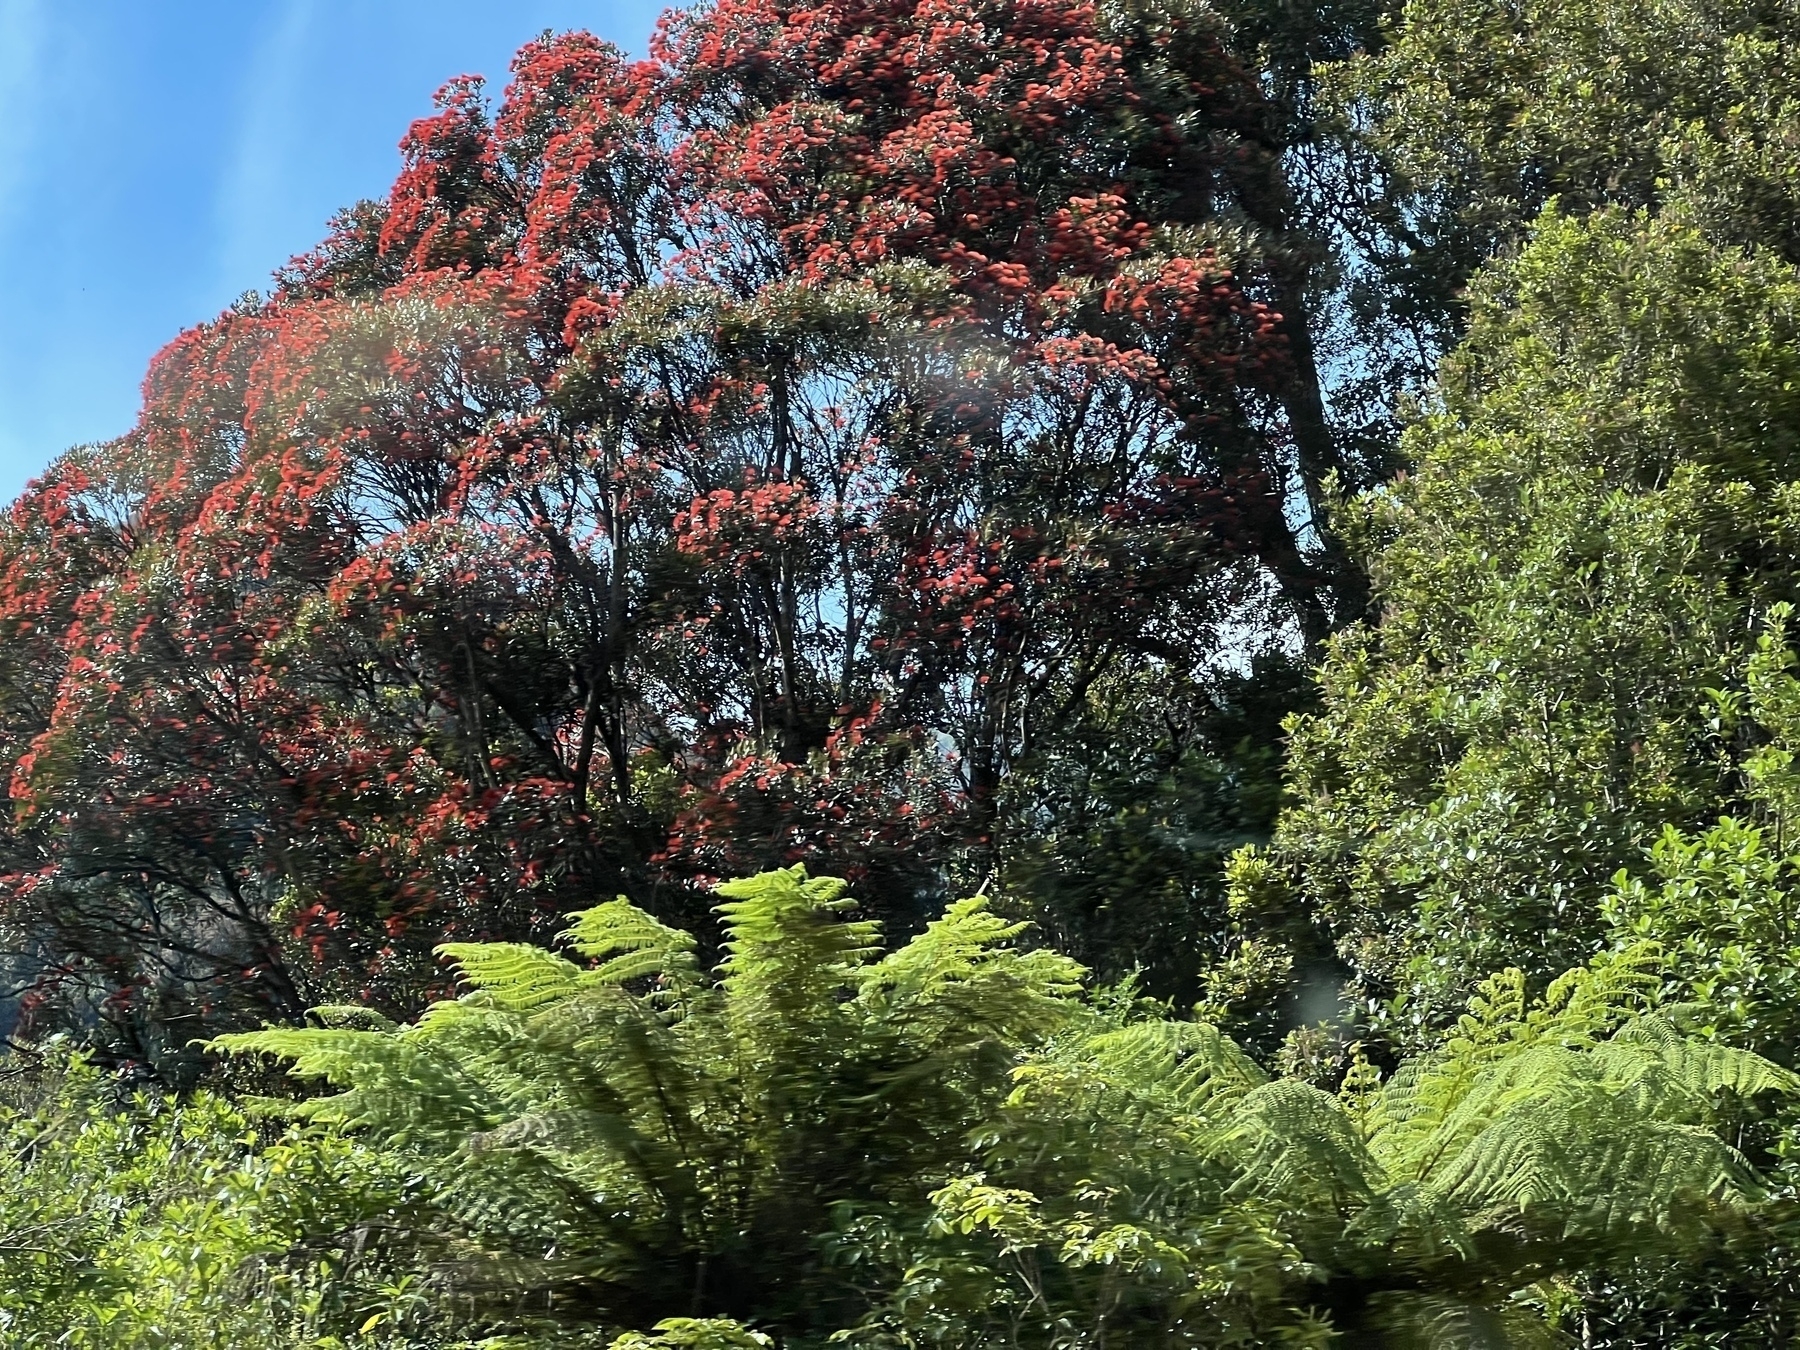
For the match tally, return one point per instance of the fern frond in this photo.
(1295, 1143)
(1525, 1158)
(350, 1017)
(1413, 1321)
(582, 1146)
(1447, 1117)
(1610, 1182)
(1191, 1061)
(790, 952)
(774, 910)
(1502, 1047)
(963, 979)
(1700, 1067)
(1588, 1003)
(1611, 1135)
(396, 1083)
(630, 944)
(954, 947)
(513, 975)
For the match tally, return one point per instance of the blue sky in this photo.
(160, 157)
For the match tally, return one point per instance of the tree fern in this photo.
(1542, 1137)
(622, 1138)
(949, 1145)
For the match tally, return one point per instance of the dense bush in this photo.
(945, 1144)
(130, 1219)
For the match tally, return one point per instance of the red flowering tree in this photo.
(750, 454)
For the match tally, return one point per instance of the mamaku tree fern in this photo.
(1150, 1185)
(950, 1145)
(632, 1139)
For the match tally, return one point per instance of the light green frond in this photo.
(1294, 1141)
(1665, 1175)
(1394, 1103)
(692, 1333)
(1525, 1158)
(1192, 1061)
(1447, 1116)
(630, 945)
(789, 885)
(952, 947)
(1411, 1321)
(1505, 1046)
(327, 1053)
(514, 975)
(1699, 1067)
(1604, 1137)
(764, 911)
(963, 975)
(351, 1017)
(1497, 1006)
(397, 1083)
(1615, 1183)
(600, 1151)
(1360, 1091)
(788, 945)
(1592, 1001)
(463, 1019)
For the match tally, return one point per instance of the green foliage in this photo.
(1475, 116)
(632, 1139)
(134, 1222)
(1149, 1185)
(1725, 905)
(1722, 905)
(948, 1145)
(1765, 715)
(695, 1333)
(1724, 902)
(1603, 505)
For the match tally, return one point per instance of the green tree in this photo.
(1602, 507)
(1474, 117)
(1123, 826)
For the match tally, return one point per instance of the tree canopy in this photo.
(753, 454)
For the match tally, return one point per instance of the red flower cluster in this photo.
(738, 529)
